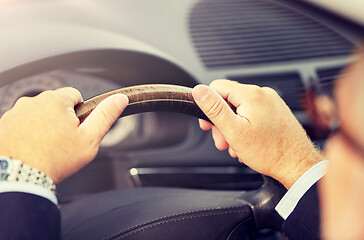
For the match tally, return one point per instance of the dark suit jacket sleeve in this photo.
(28, 216)
(304, 222)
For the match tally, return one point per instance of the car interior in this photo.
(157, 174)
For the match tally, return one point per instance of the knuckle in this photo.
(261, 94)
(69, 88)
(234, 82)
(66, 89)
(73, 90)
(256, 91)
(215, 110)
(215, 82)
(47, 94)
(269, 91)
(22, 100)
(223, 82)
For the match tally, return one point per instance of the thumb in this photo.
(216, 109)
(100, 120)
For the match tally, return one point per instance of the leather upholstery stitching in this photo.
(176, 220)
(205, 213)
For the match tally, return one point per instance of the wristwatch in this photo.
(13, 170)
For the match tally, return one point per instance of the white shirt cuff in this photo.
(289, 201)
(27, 187)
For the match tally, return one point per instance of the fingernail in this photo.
(200, 92)
(121, 100)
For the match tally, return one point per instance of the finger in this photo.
(71, 94)
(219, 139)
(232, 153)
(239, 95)
(98, 123)
(232, 91)
(205, 125)
(216, 109)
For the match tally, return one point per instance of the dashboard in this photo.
(97, 46)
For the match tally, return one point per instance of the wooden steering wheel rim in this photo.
(148, 98)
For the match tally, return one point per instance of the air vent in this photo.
(327, 78)
(288, 85)
(231, 33)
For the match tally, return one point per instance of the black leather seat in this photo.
(162, 213)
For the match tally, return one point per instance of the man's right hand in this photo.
(263, 133)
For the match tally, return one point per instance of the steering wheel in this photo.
(168, 213)
(148, 98)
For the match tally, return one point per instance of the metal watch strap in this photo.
(17, 171)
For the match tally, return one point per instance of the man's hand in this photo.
(44, 132)
(263, 133)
